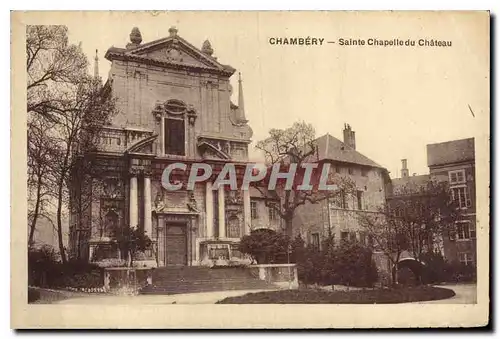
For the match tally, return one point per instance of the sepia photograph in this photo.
(268, 158)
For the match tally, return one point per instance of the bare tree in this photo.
(53, 68)
(425, 213)
(385, 236)
(413, 220)
(51, 64)
(87, 110)
(296, 145)
(40, 178)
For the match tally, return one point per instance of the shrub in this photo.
(46, 271)
(350, 264)
(265, 246)
(353, 265)
(42, 265)
(310, 266)
(437, 270)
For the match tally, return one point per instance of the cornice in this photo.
(111, 55)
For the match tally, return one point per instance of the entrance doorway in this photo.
(176, 245)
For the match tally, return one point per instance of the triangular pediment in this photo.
(209, 151)
(177, 51)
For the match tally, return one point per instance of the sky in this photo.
(396, 99)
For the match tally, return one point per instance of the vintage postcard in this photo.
(250, 169)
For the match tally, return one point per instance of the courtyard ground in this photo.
(189, 298)
(464, 294)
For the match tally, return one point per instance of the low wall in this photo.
(282, 275)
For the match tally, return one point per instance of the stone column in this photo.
(247, 214)
(148, 228)
(133, 211)
(222, 213)
(209, 210)
(162, 136)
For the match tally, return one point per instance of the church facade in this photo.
(174, 105)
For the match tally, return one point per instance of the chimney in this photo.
(404, 169)
(349, 136)
(96, 65)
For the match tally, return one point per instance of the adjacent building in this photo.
(339, 216)
(454, 162)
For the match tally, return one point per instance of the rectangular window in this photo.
(344, 235)
(352, 236)
(456, 177)
(253, 209)
(315, 240)
(174, 137)
(466, 258)
(362, 238)
(364, 172)
(337, 169)
(465, 230)
(359, 196)
(339, 200)
(461, 197)
(273, 214)
(351, 171)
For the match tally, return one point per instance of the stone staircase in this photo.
(168, 280)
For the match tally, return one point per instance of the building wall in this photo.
(138, 88)
(454, 247)
(262, 219)
(318, 218)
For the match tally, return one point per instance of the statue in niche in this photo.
(192, 204)
(160, 201)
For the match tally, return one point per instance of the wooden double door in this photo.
(176, 244)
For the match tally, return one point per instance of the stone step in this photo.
(175, 280)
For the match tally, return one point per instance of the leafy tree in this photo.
(296, 145)
(265, 246)
(133, 240)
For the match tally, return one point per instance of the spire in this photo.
(96, 65)
(241, 103)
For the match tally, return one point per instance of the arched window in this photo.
(233, 227)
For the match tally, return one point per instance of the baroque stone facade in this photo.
(174, 105)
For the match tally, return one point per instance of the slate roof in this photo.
(450, 152)
(331, 148)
